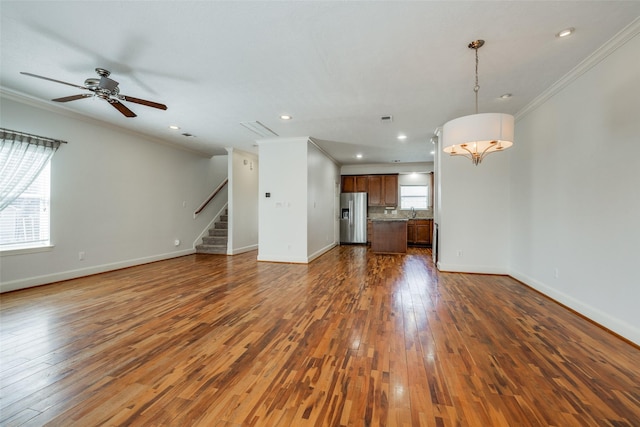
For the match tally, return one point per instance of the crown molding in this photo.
(629, 32)
(44, 105)
(314, 142)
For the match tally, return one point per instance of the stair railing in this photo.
(211, 197)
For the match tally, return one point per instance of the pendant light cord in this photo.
(476, 88)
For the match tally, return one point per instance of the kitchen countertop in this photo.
(389, 219)
(378, 217)
(376, 212)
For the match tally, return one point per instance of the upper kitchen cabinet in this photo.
(375, 190)
(382, 190)
(355, 184)
(390, 190)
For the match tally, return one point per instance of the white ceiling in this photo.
(336, 67)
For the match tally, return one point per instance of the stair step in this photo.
(211, 249)
(215, 240)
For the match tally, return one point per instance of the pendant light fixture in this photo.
(478, 135)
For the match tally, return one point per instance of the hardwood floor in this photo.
(353, 339)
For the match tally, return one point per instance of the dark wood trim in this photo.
(211, 197)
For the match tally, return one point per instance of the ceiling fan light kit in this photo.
(103, 88)
(478, 135)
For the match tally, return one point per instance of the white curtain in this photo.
(22, 157)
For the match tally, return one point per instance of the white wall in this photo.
(367, 169)
(575, 200)
(283, 216)
(473, 214)
(243, 202)
(298, 222)
(323, 177)
(116, 196)
(413, 179)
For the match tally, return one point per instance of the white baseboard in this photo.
(321, 251)
(478, 269)
(280, 258)
(626, 330)
(296, 260)
(236, 251)
(73, 274)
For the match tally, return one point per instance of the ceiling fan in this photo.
(104, 88)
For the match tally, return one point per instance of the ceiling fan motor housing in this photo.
(107, 84)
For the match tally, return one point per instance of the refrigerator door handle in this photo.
(350, 212)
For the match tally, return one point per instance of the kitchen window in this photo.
(414, 196)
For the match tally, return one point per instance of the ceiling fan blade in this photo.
(73, 97)
(143, 102)
(122, 108)
(53, 80)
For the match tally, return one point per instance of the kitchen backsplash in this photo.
(382, 212)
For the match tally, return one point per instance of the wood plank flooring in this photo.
(352, 339)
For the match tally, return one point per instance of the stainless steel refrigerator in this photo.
(353, 218)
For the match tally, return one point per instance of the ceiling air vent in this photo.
(386, 119)
(259, 129)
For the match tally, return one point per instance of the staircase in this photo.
(216, 241)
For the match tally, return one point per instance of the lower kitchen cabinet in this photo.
(389, 236)
(419, 232)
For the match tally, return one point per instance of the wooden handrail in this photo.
(210, 198)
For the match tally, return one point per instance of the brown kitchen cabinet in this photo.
(369, 231)
(375, 190)
(389, 236)
(390, 190)
(382, 190)
(411, 232)
(419, 232)
(355, 183)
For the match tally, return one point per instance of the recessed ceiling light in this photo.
(506, 96)
(359, 156)
(566, 32)
(402, 137)
(286, 117)
(174, 127)
(433, 152)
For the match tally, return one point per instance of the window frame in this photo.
(41, 244)
(426, 197)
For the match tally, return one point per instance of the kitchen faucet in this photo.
(413, 212)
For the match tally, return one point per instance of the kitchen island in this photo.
(389, 236)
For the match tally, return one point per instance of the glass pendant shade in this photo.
(478, 135)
